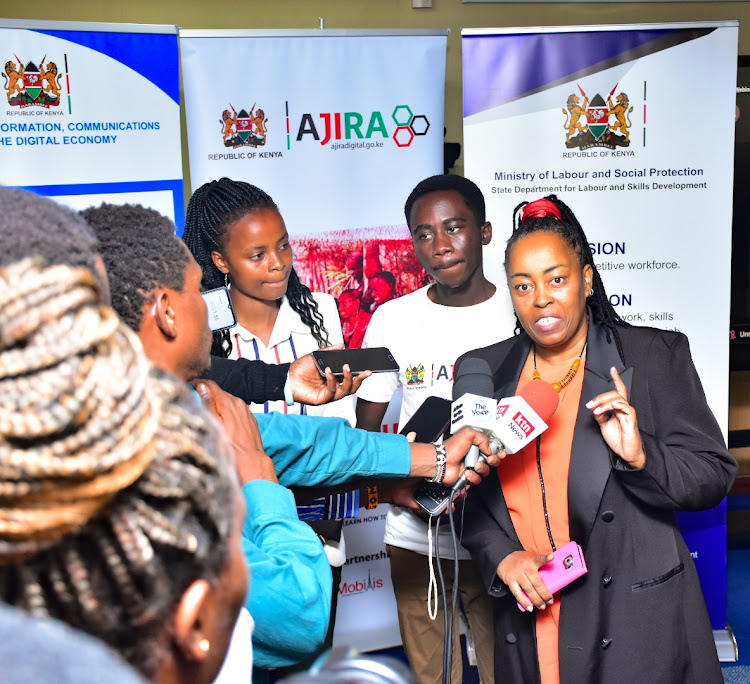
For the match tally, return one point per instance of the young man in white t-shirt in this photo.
(427, 331)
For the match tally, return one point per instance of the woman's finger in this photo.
(619, 384)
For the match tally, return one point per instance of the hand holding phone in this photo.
(567, 565)
(220, 310)
(375, 359)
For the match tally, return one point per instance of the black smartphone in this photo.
(430, 420)
(220, 310)
(375, 359)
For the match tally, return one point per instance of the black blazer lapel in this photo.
(590, 463)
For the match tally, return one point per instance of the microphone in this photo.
(510, 423)
(475, 406)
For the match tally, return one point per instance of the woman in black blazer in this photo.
(643, 444)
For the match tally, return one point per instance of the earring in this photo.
(591, 292)
(204, 645)
(226, 280)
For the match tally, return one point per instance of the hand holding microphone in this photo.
(509, 424)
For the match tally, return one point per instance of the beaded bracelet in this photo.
(442, 458)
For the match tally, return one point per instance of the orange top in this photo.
(519, 477)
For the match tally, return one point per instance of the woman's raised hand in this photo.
(618, 422)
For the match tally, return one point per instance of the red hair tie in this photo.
(539, 209)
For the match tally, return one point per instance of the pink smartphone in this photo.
(567, 565)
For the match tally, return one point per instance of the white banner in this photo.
(615, 121)
(91, 113)
(338, 127)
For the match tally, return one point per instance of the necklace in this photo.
(568, 376)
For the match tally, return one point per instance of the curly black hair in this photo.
(140, 252)
(212, 210)
(463, 186)
(570, 230)
(35, 226)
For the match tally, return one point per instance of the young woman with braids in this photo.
(239, 239)
(632, 441)
(120, 510)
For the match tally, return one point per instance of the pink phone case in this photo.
(567, 565)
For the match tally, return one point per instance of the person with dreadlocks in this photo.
(120, 511)
(238, 237)
(632, 441)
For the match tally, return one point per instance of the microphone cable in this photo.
(446, 625)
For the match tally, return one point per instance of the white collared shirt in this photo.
(290, 339)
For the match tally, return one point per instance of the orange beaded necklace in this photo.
(568, 376)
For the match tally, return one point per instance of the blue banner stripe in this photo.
(153, 55)
(174, 186)
(499, 71)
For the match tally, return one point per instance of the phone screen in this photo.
(220, 311)
(376, 359)
(430, 420)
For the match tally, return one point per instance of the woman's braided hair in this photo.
(570, 230)
(212, 211)
(112, 498)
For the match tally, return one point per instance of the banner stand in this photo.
(91, 113)
(337, 126)
(588, 113)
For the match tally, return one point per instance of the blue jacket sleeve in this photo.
(290, 578)
(311, 451)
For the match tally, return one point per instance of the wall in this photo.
(341, 14)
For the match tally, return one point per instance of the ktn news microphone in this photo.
(510, 423)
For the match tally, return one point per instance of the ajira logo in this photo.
(31, 85)
(350, 125)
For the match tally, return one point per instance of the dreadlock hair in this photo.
(569, 229)
(113, 500)
(140, 252)
(35, 226)
(212, 211)
(463, 186)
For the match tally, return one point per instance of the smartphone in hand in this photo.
(220, 310)
(430, 421)
(375, 359)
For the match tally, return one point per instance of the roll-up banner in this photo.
(613, 120)
(337, 126)
(91, 113)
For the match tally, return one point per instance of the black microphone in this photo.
(475, 408)
(472, 383)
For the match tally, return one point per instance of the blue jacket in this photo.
(291, 584)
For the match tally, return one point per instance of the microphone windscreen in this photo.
(541, 396)
(474, 377)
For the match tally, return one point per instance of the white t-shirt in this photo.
(290, 339)
(426, 339)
